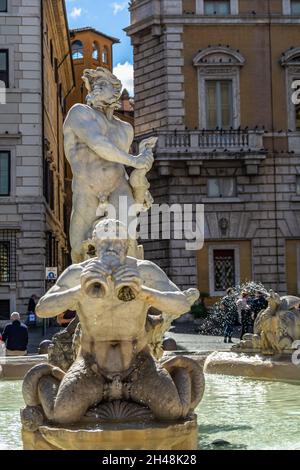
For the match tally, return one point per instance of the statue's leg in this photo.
(82, 219)
(154, 387)
(126, 202)
(67, 403)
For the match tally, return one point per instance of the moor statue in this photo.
(112, 294)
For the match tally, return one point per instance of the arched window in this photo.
(77, 50)
(219, 87)
(95, 51)
(105, 55)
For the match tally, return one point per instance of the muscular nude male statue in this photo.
(114, 362)
(97, 147)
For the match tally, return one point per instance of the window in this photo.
(4, 261)
(219, 104)
(51, 52)
(8, 256)
(219, 87)
(56, 72)
(48, 183)
(4, 67)
(221, 187)
(4, 173)
(105, 55)
(224, 269)
(298, 185)
(217, 7)
(3, 6)
(95, 51)
(51, 250)
(4, 309)
(77, 50)
(295, 7)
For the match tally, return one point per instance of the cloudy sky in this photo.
(110, 17)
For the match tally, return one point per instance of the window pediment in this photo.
(291, 57)
(218, 55)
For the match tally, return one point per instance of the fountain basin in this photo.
(15, 368)
(254, 366)
(249, 414)
(132, 436)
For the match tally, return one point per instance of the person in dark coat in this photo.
(228, 306)
(31, 316)
(15, 336)
(258, 304)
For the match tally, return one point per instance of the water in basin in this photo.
(11, 401)
(247, 413)
(250, 414)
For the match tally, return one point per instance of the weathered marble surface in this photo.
(254, 366)
(112, 294)
(15, 368)
(135, 436)
(97, 147)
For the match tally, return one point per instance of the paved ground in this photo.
(185, 334)
(188, 339)
(36, 336)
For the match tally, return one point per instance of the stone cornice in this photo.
(198, 20)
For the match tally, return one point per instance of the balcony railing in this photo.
(202, 142)
(223, 139)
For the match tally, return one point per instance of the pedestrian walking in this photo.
(229, 308)
(15, 336)
(244, 312)
(31, 316)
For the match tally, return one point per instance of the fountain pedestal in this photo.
(181, 435)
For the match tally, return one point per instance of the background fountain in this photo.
(271, 352)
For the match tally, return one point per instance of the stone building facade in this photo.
(36, 68)
(213, 80)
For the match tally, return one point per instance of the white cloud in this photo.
(76, 12)
(124, 72)
(119, 7)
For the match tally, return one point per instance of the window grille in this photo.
(8, 256)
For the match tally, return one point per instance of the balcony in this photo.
(199, 146)
(211, 141)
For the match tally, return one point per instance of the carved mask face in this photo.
(102, 94)
(112, 252)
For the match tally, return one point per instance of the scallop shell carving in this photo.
(120, 411)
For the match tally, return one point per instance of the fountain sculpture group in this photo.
(112, 388)
(269, 352)
(116, 392)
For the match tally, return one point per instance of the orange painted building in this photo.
(90, 49)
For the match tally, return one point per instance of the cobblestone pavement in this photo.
(188, 339)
